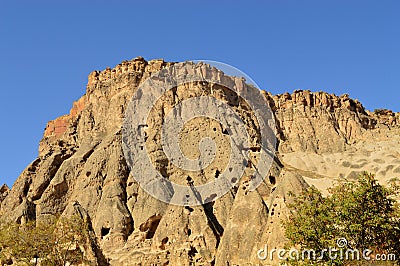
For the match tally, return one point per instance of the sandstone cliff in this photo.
(3, 192)
(81, 163)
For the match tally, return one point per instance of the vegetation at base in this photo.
(362, 213)
(51, 242)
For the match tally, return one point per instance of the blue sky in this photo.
(47, 49)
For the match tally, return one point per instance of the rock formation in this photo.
(3, 192)
(81, 163)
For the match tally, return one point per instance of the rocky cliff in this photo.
(3, 192)
(81, 163)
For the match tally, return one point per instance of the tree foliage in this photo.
(362, 212)
(50, 242)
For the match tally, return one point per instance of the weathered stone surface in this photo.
(320, 122)
(81, 166)
(4, 189)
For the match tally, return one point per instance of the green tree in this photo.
(52, 242)
(368, 213)
(363, 212)
(310, 223)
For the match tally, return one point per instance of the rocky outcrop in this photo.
(81, 163)
(386, 117)
(319, 122)
(3, 192)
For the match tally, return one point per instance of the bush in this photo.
(53, 242)
(362, 213)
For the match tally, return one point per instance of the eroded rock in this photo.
(81, 167)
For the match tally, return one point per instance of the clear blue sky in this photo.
(47, 49)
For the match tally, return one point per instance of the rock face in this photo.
(321, 122)
(325, 137)
(81, 163)
(3, 192)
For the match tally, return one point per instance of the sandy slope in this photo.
(378, 155)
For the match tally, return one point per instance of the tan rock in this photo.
(81, 166)
(4, 190)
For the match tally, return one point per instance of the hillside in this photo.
(320, 137)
